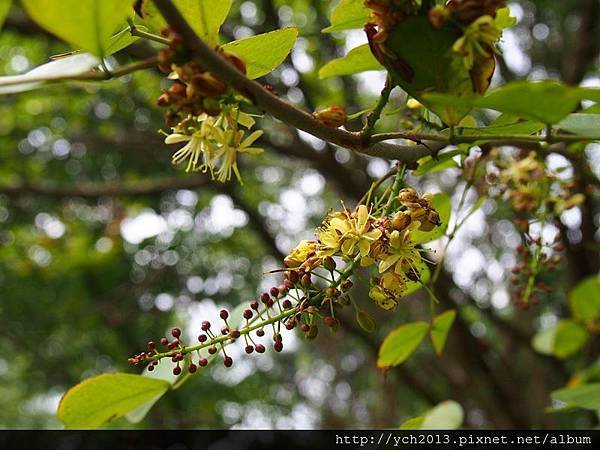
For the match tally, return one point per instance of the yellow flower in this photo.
(356, 232)
(383, 299)
(198, 143)
(478, 40)
(233, 142)
(300, 254)
(402, 253)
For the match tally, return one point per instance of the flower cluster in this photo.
(532, 188)
(314, 288)
(205, 114)
(369, 239)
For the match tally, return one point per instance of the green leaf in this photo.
(585, 396)
(86, 24)
(583, 124)
(441, 203)
(545, 101)
(429, 164)
(526, 128)
(569, 338)
(440, 327)
(401, 343)
(264, 52)
(448, 415)
(414, 286)
(413, 423)
(348, 15)
(204, 16)
(359, 59)
(594, 109)
(422, 60)
(68, 66)
(103, 398)
(4, 9)
(584, 299)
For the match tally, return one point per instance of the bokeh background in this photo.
(104, 245)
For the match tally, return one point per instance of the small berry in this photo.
(260, 348)
(176, 370)
(205, 325)
(171, 346)
(192, 368)
(150, 367)
(277, 337)
(176, 332)
(224, 314)
(203, 362)
(290, 324)
(278, 346)
(254, 305)
(175, 342)
(287, 304)
(274, 291)
(228, 361)
(202, 338)
(235, 334)
(224, 330)
(260, 332)
(174, 358)
(249, 349)
(248, 314)
(151, 345)
(270, 303)
(164, 341)
(212, 350)
(264, 297)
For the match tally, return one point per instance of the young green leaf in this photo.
(365, 321)
(85, 24)
(359, 59)
(348, 15)
(545, 101)
(440, 327)
(401, 343)
(264, 52)
(441, 203)
(414, 423)
(429, 164)
(100, 399)
(569, 338)
(584, 396)
(4, 9)
(448, 415)
(204, 16)
(122, 40)
(584, 299)
(414, 286)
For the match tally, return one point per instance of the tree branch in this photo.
(275, 106)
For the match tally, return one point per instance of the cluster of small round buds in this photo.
(223, 314)
(264, 297)
(248, 314)
(202, 338)
(205, 325)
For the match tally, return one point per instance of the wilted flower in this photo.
(478, 40)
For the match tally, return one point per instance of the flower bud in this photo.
(332, 117)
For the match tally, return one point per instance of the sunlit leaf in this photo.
(204, 16)
(69, 66)
(123, 39)
(569, 338)
(103, 398)
(347, 15)
(585, 396)
(86, 24)
(401, 343)
(429, 164)
(264, 52)
(440, 327)
(448, 415)
(359, 59)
